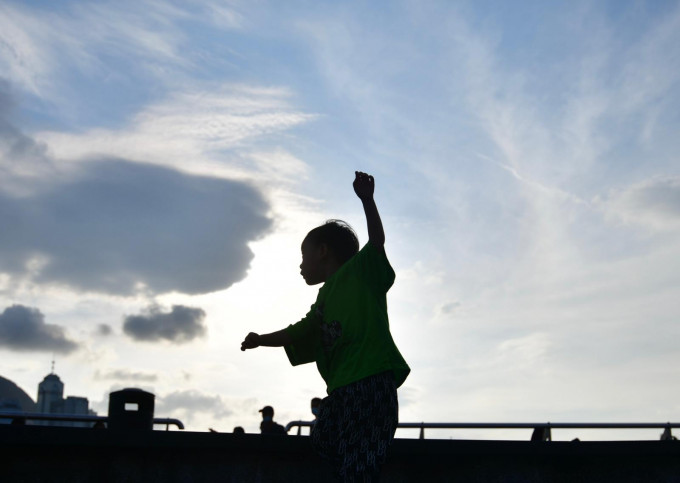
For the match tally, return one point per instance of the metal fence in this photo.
(541, 431)
(18, 417)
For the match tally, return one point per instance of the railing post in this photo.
(667, 435)
(541, 433)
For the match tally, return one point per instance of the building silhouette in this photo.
(14, 399)
(51, 400)
(51, 395)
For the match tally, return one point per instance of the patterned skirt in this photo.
(356, 425)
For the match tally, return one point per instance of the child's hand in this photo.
(251, 341)
(363, 185)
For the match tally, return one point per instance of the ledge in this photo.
(39, 453)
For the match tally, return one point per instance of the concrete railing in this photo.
(60, 454)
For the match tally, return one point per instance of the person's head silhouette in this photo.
(267, 413)
(316, 406)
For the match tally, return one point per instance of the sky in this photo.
(161, 162)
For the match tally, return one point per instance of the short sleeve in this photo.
(374, 266)
(303, 348)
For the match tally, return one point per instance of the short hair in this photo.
(339, 236)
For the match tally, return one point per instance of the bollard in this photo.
(131, 409)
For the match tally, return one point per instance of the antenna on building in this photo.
(52, 364)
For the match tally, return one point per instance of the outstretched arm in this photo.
(364, 186)
(275, 339)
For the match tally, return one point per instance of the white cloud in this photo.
(222, 133)
(541, 290)
(203, 132)
(148, 36)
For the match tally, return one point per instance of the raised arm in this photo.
(364, 186)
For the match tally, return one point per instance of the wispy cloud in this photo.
(218, 132)
(24, 162)
(125, 375)
(98, 37)
(191, 404)
(526, 162)
(654, 203)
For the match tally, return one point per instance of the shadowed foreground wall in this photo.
(39, 454)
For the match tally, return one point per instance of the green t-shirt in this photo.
(347, 332)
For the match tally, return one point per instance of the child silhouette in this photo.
(347, 334)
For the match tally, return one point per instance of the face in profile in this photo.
(310, 268)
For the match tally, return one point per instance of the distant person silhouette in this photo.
(347, 334)
(268, 425)
(316, 410)
(316, 406)
(239, 430)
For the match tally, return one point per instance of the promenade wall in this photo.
(54, 454)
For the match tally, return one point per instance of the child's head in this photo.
(332, 243)
(339, 236)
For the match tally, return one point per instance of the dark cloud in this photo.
(125, 375)
(116, 226)
(190, 402)
(181, 324)
(104, 330)
(16, 145)
(120, 226)
(24, 329)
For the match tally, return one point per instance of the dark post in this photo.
(131, 409)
